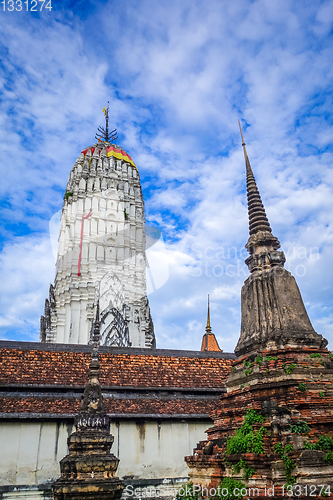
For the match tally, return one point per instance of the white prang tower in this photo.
(101, 254)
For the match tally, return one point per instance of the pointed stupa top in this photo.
(273, 312)
(95, 340)
(257, 216)
(262, 244)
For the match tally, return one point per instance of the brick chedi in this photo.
(88, 471)
(101, 253)
(273, 429)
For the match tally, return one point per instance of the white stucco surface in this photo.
(31, 451)
(101, 253)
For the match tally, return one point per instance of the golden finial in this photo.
(208, 328)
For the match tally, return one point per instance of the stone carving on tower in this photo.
(101, 252)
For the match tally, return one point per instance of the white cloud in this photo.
(26, 269)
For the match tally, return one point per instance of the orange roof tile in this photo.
(48, 379)
(209, 343)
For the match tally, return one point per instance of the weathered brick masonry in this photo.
(276, 395)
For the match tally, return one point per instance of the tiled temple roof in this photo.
(48, 379)
(68, 406)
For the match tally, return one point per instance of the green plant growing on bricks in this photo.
(299, 428)
(244, 466)
(324, 443)
(288, 463)
(328, 458)
(186, 492)
(227, 489)
(271, 358)
(288, 369)
(245, 439)
(288, 448)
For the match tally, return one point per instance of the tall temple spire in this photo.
(257, 216)
(209, 342)
(262, 244)
(102, 244)
(208, 328)
(273, 313)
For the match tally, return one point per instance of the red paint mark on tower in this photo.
(80, 254)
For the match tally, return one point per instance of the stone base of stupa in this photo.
(89, 470)
(109, 489)
(292, 391)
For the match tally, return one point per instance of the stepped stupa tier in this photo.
(101, 254)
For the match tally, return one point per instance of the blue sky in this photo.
(178, 75)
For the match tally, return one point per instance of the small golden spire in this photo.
(208, 328)
(209, 342)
